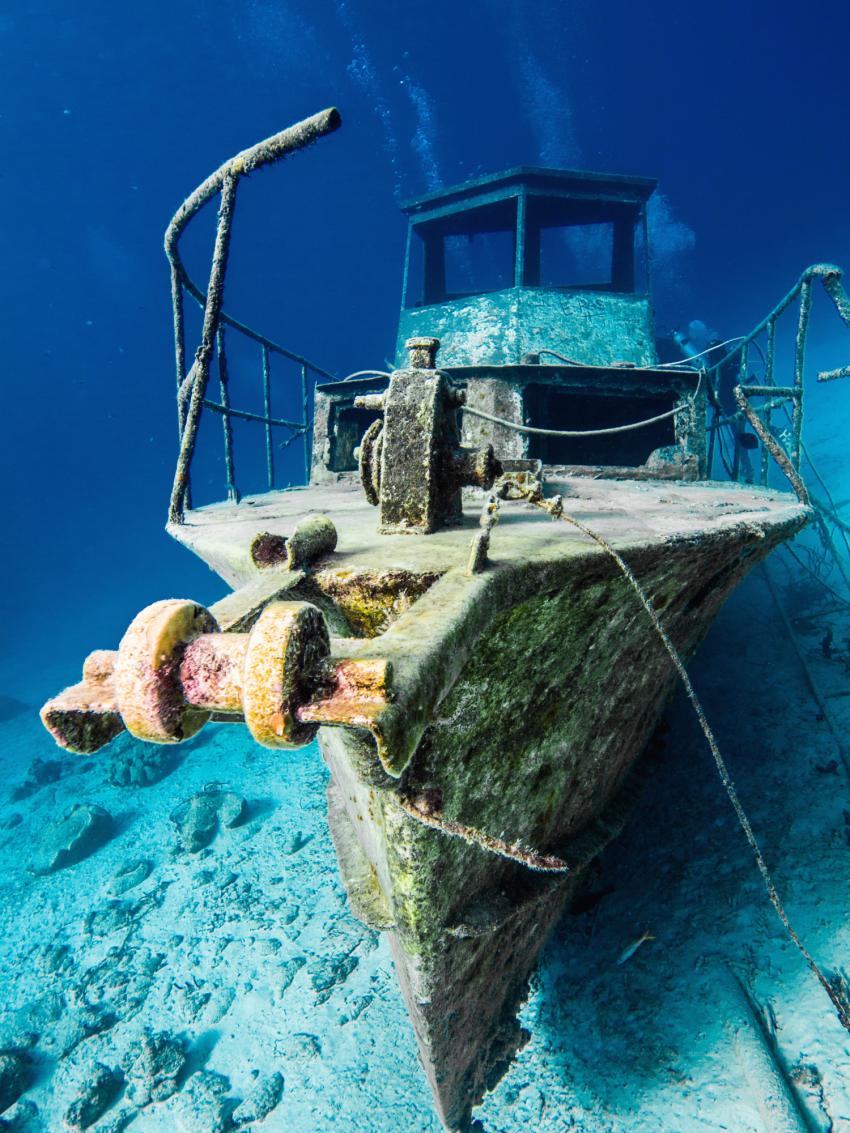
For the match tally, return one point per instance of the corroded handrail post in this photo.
(248, 161)
(203, 357)
(192, 388)
(832, 283)
(799, 364)
(830, 277)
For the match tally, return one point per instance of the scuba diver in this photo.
(701, 346)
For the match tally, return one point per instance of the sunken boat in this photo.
(443, 605)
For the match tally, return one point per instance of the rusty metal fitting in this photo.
(455, 398)
(312, 538)
(268, 550)
(372, 401)
(475, 468)
(147, 680)
(423, 352)
(369, 453)
(174, 669)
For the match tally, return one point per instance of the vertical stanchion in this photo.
(799, 362)
(739, 425)
(223, 379)
(768, 381)
(212, 310)
(305, 399)
(267, 409)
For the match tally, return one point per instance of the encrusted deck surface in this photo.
(624, 512)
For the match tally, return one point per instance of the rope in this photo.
(702, 353)
(561, 357)
(836, 987)
(366, 374)
(822, 581)
(583, 432)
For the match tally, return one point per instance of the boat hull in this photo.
(523, 699)
(534, 743)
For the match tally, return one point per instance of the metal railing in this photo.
(786, 447)
(192, 387)
(779, 397)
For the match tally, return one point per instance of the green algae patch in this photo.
(555, 702)
(372, 601)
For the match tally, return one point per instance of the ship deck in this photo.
(627, 513)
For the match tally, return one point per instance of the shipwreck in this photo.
(452, 603)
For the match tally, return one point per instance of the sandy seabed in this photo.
(245, 955)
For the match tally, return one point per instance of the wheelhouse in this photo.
(536, 284)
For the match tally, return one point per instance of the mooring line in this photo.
(836, 987)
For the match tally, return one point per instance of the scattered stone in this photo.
(327, 974)
(55, 1023)
(83, 830)
(301, 1046)
(189, 999)
(40, 773)
(111, 917)
(33, 1018)
(295, 842)
(260, 1101)
(220, 1002)
(119, 1119)
(97, 1094)
(14, 1076)
(288, 914)
(287, 972)
(197, 819)
(358, 1005)
(203, 1106)
(53, 959)
(122, 980)
(137, 764)
(232, 808)
(75, 1026)
(16, 1032)
(130, 875)
(19, 1118)
(155, 1072)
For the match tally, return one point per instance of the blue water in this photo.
(109, 116)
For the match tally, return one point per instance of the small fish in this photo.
(628, 952)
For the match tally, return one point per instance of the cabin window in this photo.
(553, 407)
(479, 262)
(581, 244)
(466, 253)
(529, 239)
(347, 427)
(580, 256)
